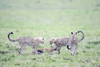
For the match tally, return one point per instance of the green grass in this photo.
(50, 18)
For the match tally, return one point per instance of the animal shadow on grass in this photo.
(67, 59)
(94, 42)
(4, 52)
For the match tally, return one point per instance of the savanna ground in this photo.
(50, 18)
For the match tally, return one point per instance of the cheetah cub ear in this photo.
(76, 32)
(53, 39)
(42, 38)
(71, 32)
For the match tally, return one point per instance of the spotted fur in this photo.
(23, 41)
(71, 42)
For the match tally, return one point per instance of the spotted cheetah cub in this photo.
(23, 41)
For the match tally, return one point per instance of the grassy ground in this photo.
(50, 18)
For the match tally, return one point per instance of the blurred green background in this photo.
(50, 18)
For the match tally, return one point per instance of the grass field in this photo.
(50, 18)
